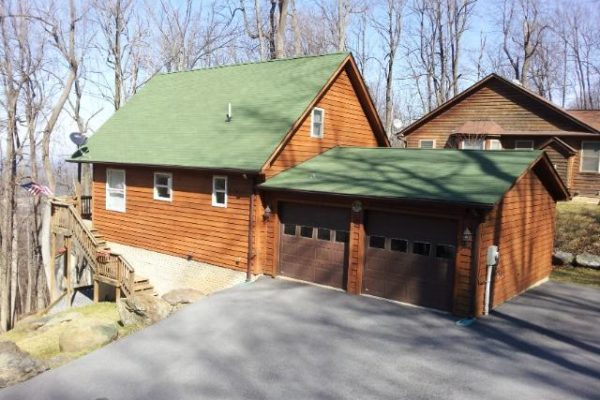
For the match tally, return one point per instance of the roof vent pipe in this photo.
(229, 114)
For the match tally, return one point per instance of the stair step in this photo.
(143, 286)
(140, 279)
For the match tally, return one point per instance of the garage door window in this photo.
(377, 242)
(289, 229)
(341, 236)
(421, 248)
(323, 234)
(399, 245)
(306, 231)
(444, 251)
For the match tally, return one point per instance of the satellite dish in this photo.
(397, 124)
(78, 138)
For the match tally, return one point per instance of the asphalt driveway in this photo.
(275, 339)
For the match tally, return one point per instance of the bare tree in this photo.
(390, 32)
(523, 28)
(277, 23)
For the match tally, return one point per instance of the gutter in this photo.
(169, 166)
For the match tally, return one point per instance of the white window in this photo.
(523, 144)
(590, 157)
(317, 123)
(115, 189)
(427, 144)
(473, 144)
(219, 192)
(495, 144)
(163, 186)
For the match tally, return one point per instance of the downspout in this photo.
(491, 261)
(475, 267)
(250, 233)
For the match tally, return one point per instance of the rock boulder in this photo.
(87, 335)
(587, 260)
(143, 309)
(562, 258)
(16, 365)
(180, 297)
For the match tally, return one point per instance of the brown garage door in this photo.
(410, 259)
(313, 243)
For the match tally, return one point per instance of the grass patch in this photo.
(42, 343)
(582, 276)
(578, 228)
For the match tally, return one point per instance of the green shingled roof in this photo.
(179, 119)
(457, 176)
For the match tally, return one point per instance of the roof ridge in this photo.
(255, 63)
(419, 149)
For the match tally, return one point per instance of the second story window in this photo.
(163, 186)
(473, 144)
(427, 144)
(219, 192)
(523, 144)
(495, 144)
(590, 157)
(317, 123)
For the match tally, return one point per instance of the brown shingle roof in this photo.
(479, 128)
(590, 117)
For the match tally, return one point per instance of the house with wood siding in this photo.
(496, 113)
(283, 168)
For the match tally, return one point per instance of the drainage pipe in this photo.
(488, 289)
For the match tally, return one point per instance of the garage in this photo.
(314, 242)
(407, 260)
(420, 223)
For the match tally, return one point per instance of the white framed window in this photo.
(495, 144)
(523, 144)
(473, 144)
(590, 156)
(163, 186)
(317, 125)
(219, 191)
(115, 190)
(427, 143)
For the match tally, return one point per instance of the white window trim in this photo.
(312, 123)
(215, 191)
(462, 144)
(427, 140)
(169, 186)
(583, 142)
(495, 141)
(524, 148)
(108, 190)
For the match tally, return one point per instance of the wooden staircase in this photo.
(143, 285)
(107, 267)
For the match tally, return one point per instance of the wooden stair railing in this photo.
(106, 266)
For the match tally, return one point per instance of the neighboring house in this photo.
(225, 166)
(498, 114)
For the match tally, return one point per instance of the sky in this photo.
(485, 13)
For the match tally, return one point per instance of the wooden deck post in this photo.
(117, 293)
(96, 290)
(68, 268)
(52, 277)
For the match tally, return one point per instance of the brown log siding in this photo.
(514, 112)
(346, 124)
(522, 226)
(187, 225)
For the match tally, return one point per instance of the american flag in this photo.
(35, 189)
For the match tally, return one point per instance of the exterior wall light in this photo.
(267, 213)
(467, 237)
